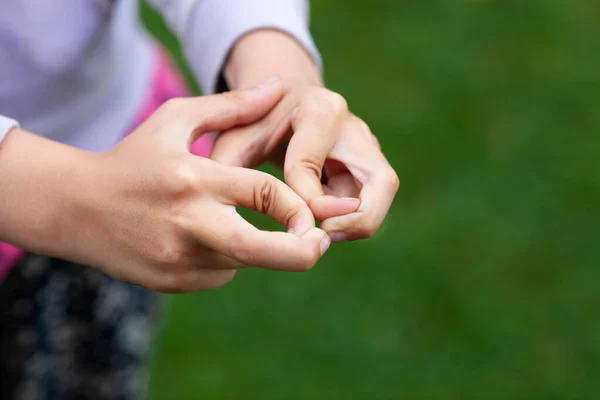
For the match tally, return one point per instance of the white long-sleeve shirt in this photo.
(76, 71)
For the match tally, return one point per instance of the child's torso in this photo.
(73, 70)
(50, 37)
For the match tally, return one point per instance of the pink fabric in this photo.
(167, 84)
(9, 256)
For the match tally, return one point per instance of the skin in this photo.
(309, 131)
(150, 212)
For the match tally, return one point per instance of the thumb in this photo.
(200, 115)
(240, 147)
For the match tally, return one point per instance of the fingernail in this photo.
(267, 82)
(325, 243)
(292, 231)
(337, 237)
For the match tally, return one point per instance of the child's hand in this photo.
(309, 131)
(163, 218)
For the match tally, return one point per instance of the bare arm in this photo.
(310, 131)
(150, 212)
(267, 52)
(40, 181)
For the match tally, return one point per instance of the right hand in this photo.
(156, 215)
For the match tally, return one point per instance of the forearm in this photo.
(39, 187)
(266, 52)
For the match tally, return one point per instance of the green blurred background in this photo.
(484, 282)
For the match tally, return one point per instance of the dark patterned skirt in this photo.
(71, 332)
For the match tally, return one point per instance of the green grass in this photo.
(484, 282)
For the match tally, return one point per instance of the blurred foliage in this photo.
(484, 281)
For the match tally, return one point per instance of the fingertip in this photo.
(319, 237)
(327, 206)
(324, 244)
(339, 228)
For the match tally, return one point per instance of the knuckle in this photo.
(312, 164)
(363, 128)
(375, 141)
(168, 254)
(290, 214)
(183, 179)
(324, 102)
(339, 105)
(361, 124)
(392, 180)
(265, 196)
(309, 162)
(396, 182)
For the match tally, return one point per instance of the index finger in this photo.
(231, 235)
(256, 190)
(316, 124)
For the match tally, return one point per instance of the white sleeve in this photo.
(6, 124)
(209, 28)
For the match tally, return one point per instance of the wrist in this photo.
(39, 181)
(266, 52)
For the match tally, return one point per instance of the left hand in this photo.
(310, 131)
